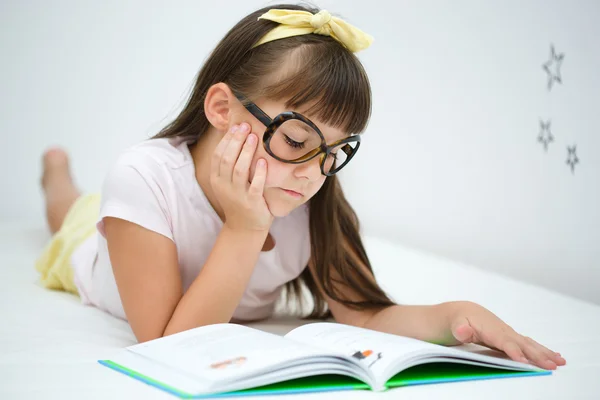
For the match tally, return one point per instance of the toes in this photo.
(55, 157)
(55, 166)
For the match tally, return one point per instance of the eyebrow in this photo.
(306, 128)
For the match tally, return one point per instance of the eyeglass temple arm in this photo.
(254, 109)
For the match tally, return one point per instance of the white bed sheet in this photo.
(50, 343)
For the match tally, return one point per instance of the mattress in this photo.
(50, 343)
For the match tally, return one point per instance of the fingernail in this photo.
(244, 128)
(524, 360)
(251, 138)
(235, 128)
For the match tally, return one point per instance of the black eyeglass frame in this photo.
(272, 124)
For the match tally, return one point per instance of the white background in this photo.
(450, 162)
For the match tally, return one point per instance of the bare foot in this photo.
(59, 189)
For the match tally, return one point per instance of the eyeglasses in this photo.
(294, 139)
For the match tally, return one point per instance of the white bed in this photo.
(50, 343)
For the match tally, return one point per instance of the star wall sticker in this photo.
(552, 67)
(572, 157)
(545, 135)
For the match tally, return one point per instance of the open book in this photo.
(221, 359)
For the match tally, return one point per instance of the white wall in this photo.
(449, 164)
(459, 91)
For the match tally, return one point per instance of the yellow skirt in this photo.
(54, 264)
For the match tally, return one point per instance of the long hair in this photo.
(321, 73)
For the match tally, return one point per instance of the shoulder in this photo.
(153, 154)
(157, 162)
(144, 183)
(150, 169)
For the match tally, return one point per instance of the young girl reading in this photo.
(238, 198)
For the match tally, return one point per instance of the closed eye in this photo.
(293, 143)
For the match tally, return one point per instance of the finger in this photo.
(513, 350)
(465, 334)
(215, 163)
(550, 355)
(463, 331)
(258, 182)
(535, 354)
(492, 338)
(559, 360)
(231, 153)
(241, 170)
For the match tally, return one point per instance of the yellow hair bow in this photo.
(295, 23)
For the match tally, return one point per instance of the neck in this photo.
(201, 152)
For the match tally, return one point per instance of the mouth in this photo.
(292, 193)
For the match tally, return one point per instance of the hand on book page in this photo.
(472, 323)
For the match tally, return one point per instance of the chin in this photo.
(278, 209)
(279, 206)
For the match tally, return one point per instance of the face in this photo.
(305, 179)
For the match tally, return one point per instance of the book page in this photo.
(222, 352)
(376, 351)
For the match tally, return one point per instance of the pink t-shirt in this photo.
(153, 184)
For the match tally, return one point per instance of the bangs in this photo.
(326, 79)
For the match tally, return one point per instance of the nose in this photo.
(310, 170)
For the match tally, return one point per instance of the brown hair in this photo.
(328, 77)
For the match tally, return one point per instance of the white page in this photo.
(160, 373)
(193, 385)
(374, 350)
(222, 351)
(307, 370)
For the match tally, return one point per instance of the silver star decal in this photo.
(545, 135)
(552, 67)
(572, 157)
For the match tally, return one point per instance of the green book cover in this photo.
(429, 373)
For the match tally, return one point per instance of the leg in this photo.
(59, 191)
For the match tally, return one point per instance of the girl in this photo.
(238, 198)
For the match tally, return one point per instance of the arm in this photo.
(145, 263)
(146, 270)
(429, 323)
(447, 323)
(421, 322)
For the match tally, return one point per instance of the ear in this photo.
(218, 106)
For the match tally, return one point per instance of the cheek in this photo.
(315, 186)
(273, 172)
